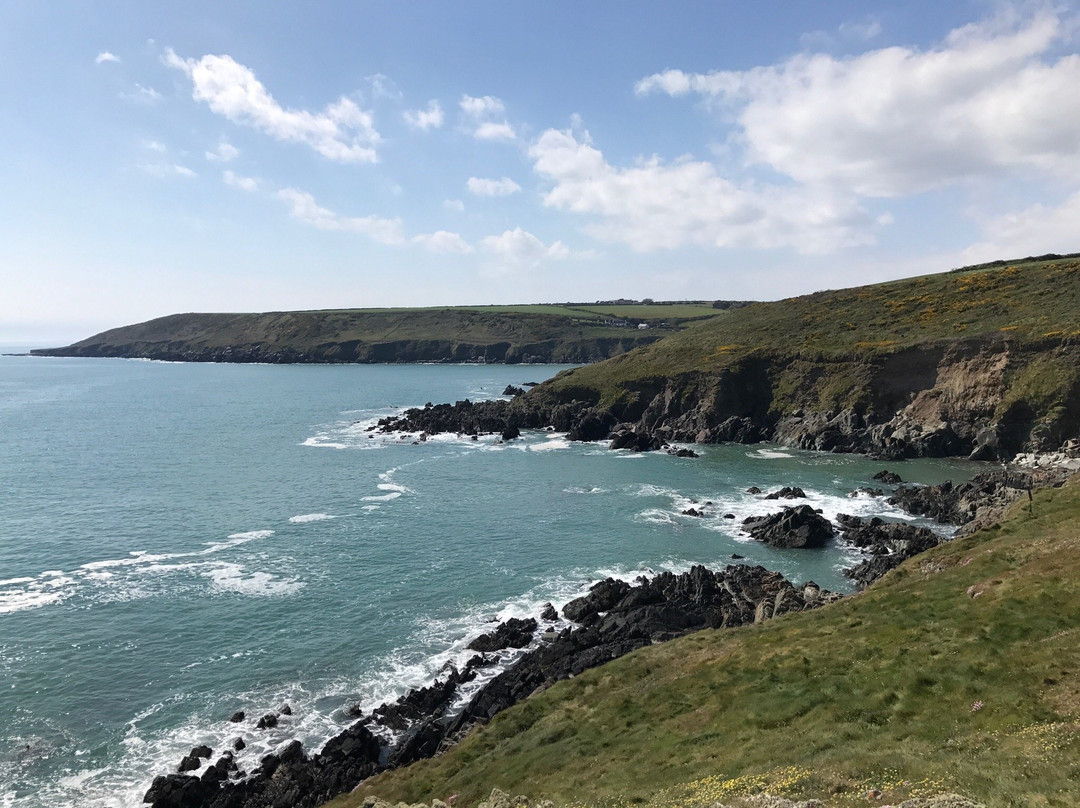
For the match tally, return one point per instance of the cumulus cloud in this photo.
(987, 101)
(236, 181)
(224, 153)
(846, 32)
(142, 95)
(655, 205)
(443, 241)
(519, 250)
(490, 130)
(478, 107)
(341, 132)
(105, 56)
(380, 86)
(303, 207)
(165, 170)
(481, 113)
(488, 187)
(424, 119)
(1035, 230)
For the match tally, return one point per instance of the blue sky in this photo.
(252, 156)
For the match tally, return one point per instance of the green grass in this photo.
(1027, 304)
(876, 691)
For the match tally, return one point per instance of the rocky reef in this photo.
(614, 618)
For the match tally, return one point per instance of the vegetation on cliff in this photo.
(959, 671)
(555, 333)
(920, 366)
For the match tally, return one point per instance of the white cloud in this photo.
(142, 95)
(381, 86)
(520, 250)
(155, 146)
(489, 130)
(654, 205)
(896, 121)
(424, 119)
(864, 31)
(454, 204)
(1036, 230)
(166, 170)
(342, 131)
(848, 31)
(488, 187)
(236, 181)
(443, 241)
(480, 111)
(479, 107)
(105, 56)
(224, 153)
(304, 208)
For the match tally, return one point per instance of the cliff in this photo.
(511, 334)
(981, 362)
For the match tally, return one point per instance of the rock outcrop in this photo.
(616, 618)
(799, 527)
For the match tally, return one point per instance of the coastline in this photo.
(428, 720)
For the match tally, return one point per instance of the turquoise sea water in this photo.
(180, 541)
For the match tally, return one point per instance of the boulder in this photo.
(888, 477)
(237, 717)
(787, 492)
(268, 721)
(602, 596)
(797, 528)
(514, 633)
(548, 613)
(510, 390)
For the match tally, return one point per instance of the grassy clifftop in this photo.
(495, 333)
(1023, 303)
(958, 671)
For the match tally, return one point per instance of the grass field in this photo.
(960, 671)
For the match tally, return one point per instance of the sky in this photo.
(252, 156)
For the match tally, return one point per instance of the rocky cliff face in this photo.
(984, 400)
(568, 351)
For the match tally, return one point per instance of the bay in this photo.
(180, 541)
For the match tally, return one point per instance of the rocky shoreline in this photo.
(612, 619)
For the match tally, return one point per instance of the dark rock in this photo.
(511, 433)
(591, 425)
(682, 453)
(737, 557)
(692, 512)
(888, 477)
(799, 527)
(237, 717)
(285, 710)
(202, 751)
(602, 596)
(634, 441)
(354, 711)
(548, 613)
(753, 490)
(238, 744)
(787, 492)
(189, 763)
(512, 391)
(870, 492)
(729, 516)
(887, 545)
(514, 633)
(268, 721)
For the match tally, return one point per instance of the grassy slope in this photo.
(875, 691)
(476, 325)
(1025, 303)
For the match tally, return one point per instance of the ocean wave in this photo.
(304, 518)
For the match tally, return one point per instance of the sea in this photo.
(182, 541)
